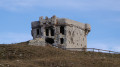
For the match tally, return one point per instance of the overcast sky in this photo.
(103, 16)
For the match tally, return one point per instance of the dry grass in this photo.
(23, 55)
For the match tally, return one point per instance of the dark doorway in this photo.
(52, 32)
(49, 40)
(61, 40)
(47, 32)
(38, 32)
(62, 29)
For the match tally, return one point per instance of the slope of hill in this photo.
(24, 55)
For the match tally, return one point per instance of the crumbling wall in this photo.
(61, 32)
(36, 29)
(37, 42)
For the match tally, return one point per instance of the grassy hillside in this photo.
(23, 55)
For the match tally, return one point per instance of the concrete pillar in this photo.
(43, 32)
(57, 31)
(54, 19)
(55, 35)
(41, 20)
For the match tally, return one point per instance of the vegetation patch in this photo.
(24, 55)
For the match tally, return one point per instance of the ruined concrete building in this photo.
(60, 32)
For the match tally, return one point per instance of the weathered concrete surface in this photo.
(61, 32)
(37, 42)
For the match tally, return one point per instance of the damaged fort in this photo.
(59, 32)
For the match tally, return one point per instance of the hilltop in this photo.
(24, 55)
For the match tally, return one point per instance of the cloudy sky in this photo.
(103, 16)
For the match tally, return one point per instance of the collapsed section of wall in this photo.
(37, 42)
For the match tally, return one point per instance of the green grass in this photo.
(24, 55)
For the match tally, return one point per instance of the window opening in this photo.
(62, 40)
(49, 40)
(62, 29)
(38, 32)
(47, 32)
(52, 32)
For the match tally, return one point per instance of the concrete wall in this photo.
(75, 37)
